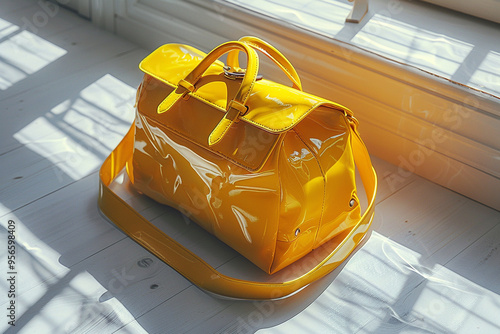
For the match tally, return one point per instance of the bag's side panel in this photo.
(317, 174)
(302, 191)
(237, 205)
(327, 133)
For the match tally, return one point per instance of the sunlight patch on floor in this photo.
(23, 54)
(76, 135)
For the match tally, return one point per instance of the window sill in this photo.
(429, 111)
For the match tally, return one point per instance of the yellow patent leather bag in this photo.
(266, 168)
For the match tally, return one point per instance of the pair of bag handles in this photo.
(272, 53)
(237, 106)
(186, 262)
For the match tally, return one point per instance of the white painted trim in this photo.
(103, 14)
(443, 131)
(485, 9)
(82, 7)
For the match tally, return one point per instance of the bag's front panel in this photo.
(238, 206)
(327, 133)
(193, 119)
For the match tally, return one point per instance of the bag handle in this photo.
(236, 106)
(272, 53)
(196, 269)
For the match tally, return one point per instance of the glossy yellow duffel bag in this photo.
(266, 168)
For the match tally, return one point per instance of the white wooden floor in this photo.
(430, 265)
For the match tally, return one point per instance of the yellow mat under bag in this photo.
(266, 168)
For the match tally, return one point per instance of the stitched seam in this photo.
(256, 62)
(324, 184)
(264, 126)
(278, 209)
(331, 104)
(208, 101)
(158, 77)
(224, 130)
(170, 104)
(296, 122)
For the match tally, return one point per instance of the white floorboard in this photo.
(430, 265)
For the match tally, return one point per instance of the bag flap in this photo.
(271, 106)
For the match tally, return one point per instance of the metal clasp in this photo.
(238, 74)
